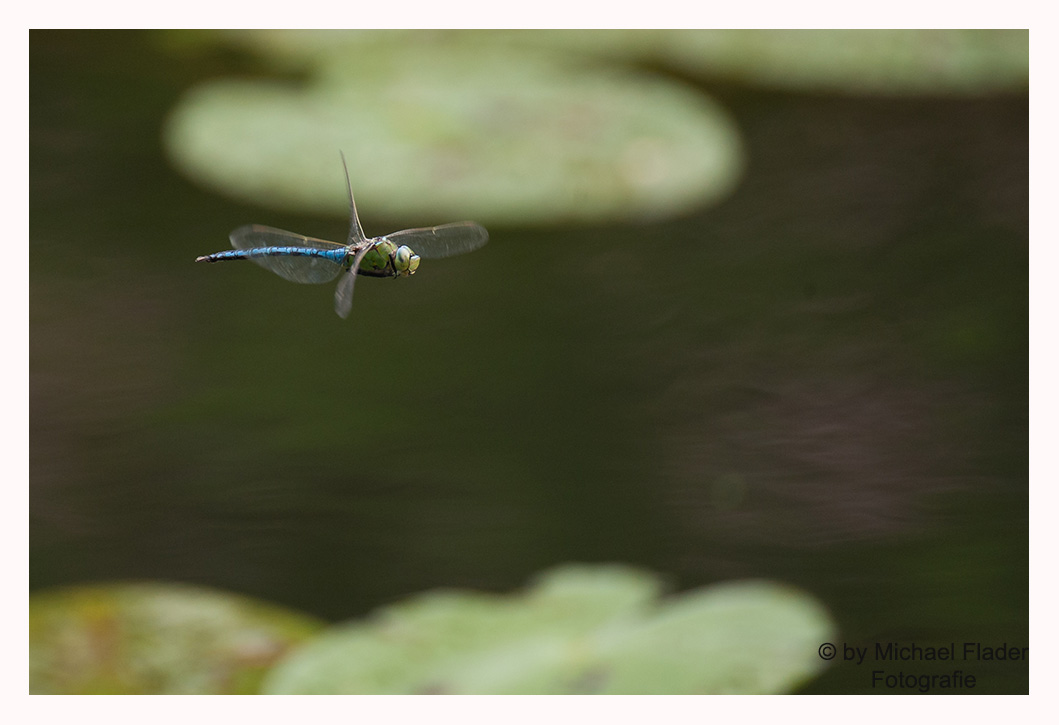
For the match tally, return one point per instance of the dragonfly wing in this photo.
(344, 291)
(310, 270)
(444, 241)
(356, 233)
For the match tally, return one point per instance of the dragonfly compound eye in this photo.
(404, 261)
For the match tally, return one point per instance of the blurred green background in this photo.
(754, 306)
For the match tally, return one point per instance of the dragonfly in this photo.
(299, 258)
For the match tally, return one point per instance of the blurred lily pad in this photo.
(939, 62)
(578, 630)
(893, 61)
(155, 638)
(963, 62)
(438, 131)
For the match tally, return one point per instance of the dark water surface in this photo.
(821, 381)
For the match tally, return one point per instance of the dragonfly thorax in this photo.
(386, 259)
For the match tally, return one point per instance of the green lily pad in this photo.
(578, 630)
(852, 61)
(959, 62)
(939, 62)
(155, 638)
(435, 132)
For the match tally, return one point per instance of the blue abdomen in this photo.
(332, 255)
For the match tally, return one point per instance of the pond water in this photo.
(822, 380)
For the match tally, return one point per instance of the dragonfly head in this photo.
(405, 261)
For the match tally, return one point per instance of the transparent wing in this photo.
(356, 232)
(309, 270)
(344, 291)
(444, 241)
